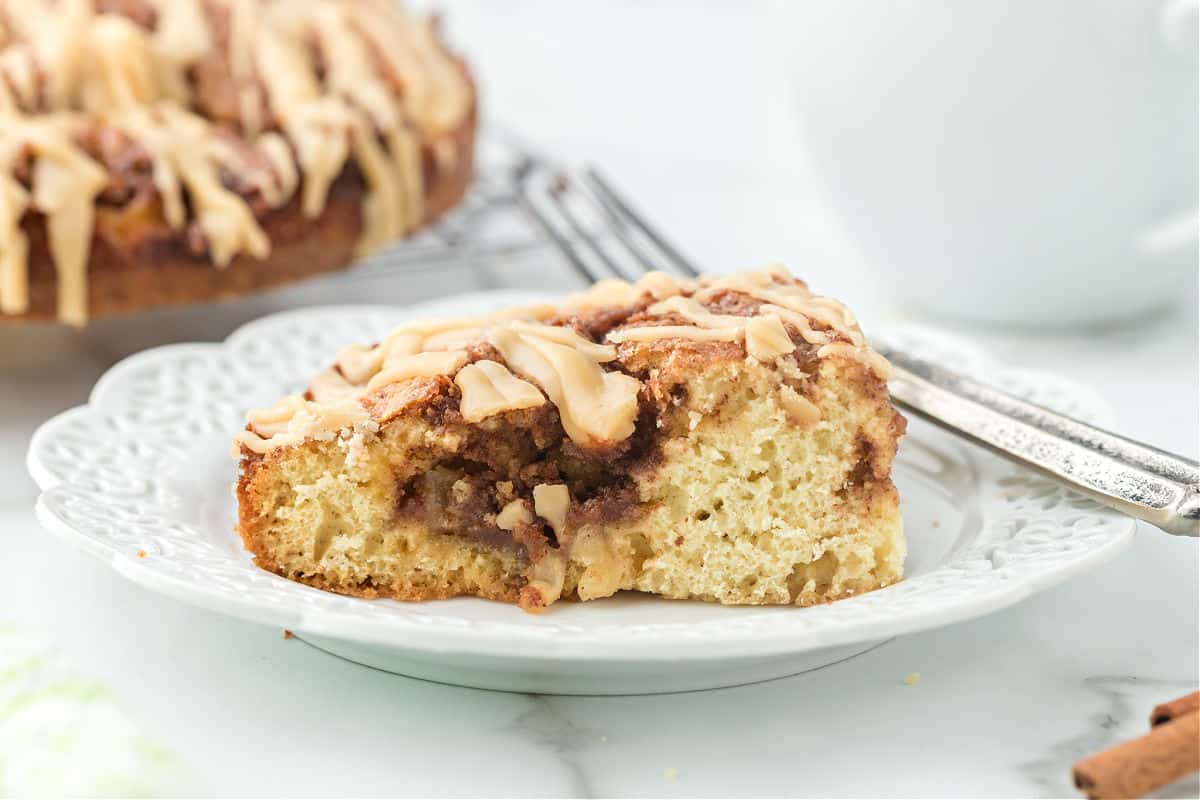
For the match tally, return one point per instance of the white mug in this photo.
(1020, 161)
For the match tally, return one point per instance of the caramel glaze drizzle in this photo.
(551, 363)
(316, 83)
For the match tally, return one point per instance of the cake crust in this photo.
(753, 466)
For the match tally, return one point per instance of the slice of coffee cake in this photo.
(728, 439)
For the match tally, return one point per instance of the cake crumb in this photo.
(141, 553)
(670, 773)
(912, 679)
(287, 634)
(937, 524)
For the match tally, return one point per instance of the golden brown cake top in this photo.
(571, 356)
(278, 94)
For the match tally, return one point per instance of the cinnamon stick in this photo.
(1131, 769)
(1165, 712)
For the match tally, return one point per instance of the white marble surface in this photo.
(682, 109)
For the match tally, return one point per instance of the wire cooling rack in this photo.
(486, 221)
(487, 236)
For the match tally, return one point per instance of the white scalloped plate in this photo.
(144, 468)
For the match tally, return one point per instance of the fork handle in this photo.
(1139, 492)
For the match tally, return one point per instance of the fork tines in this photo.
(598, 231)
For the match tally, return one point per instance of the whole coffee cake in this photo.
(155, 152)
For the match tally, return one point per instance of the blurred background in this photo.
(1026, 164)
(1023, 162)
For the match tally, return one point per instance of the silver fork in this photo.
(603, 236)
